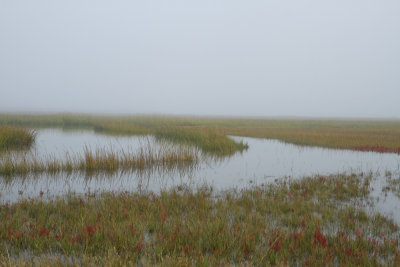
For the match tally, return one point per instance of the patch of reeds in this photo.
(210, 141)
(15, 138)
(314, 221)
(101, 160)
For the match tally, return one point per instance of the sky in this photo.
(210, 57)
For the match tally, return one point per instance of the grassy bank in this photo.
(15, 138)
(383, 137)
(314, 221)
(373, 135)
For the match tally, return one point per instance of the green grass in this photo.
(12, 138)
(313, 221)
(102, 160)
(209, 140)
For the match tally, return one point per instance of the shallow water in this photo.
(264, 161)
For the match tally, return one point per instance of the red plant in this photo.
(44, 231)
(277, 245)
(276, 242)
(379, 149)
(190, 233)
(76, 238)
(319, 237)
(91, 230)
(14, 235)
(186, 249)
(58, 236)
(138, 247)
(303, 224)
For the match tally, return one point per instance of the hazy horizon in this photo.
(307, 59)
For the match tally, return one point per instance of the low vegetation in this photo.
(316, 221)
(210, 141)
(392, 184)
(320, 221)
(373, 135)
(382, 137)
(102, 160)
(120, 128)
(12, 138)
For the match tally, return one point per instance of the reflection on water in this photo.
(55, 185)
(56, 143)
(264, 161)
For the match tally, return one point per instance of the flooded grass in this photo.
(15, 138)
(392, 184)
(101, 160)
(374, 135)
(317, 221)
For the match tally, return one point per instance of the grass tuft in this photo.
(210, 141)
(12, 138)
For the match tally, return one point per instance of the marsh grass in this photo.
(120, 128)
(392, 184)
(314, 221)
(208, 140)
(15, 138)
(382, 140)
(373, 135)
(101, 160)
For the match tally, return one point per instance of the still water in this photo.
(264, 161)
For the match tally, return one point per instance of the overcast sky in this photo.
(317, 58)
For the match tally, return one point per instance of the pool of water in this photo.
(264, 161)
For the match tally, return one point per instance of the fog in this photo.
(211, 57)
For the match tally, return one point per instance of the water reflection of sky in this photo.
(264, 161)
